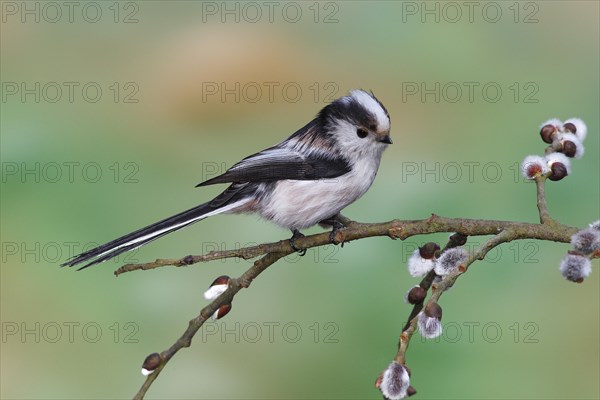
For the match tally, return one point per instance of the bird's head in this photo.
(359, 122)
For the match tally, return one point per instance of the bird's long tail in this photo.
(146, 235)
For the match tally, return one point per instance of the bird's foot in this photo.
(335, 236)
(296, 234)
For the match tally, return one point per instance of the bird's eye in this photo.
(361, 133)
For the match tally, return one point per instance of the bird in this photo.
(305, 180)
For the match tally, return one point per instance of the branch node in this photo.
(338, 237)
(244, 283)
(187, 260)
(404, 337)
(397, 232)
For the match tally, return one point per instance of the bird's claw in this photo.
(296, 235)
(336, 236)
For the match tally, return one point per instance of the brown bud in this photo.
(427, 251)
(151, 362)
(378, 380)
(416, 295)
(433, 310)
(222, 280)
(534, 169)
(559, 171)
(223, 311)
(547, 133)
(458, 239)
(188, 260)
(569, 148)
(411, 391)
(570, 127)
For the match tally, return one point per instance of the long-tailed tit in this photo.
(304, 180)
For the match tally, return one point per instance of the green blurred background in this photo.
(84, 169)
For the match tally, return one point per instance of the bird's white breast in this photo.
(297, 204)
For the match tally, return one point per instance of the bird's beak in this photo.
(386, 139)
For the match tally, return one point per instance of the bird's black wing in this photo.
(279, 162)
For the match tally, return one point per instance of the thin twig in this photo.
(448, 281)
(235, 285)
(540, 182)
(455, 240)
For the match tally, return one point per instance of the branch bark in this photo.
(540, 182)
(503, 231)
(395, 229)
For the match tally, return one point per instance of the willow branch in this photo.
(438, 289)
(509, 233)
(454, 240)
(235, 285)
(395, 229)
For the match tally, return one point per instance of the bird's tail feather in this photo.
(145, 235)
